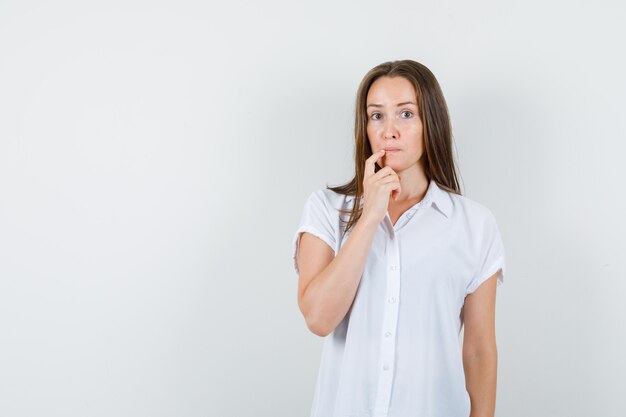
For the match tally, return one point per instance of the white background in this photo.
(155, 158)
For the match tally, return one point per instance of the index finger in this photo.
(369, 162)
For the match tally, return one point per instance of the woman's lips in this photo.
(391, 151)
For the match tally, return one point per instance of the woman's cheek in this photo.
(371, 132)
(414, 128)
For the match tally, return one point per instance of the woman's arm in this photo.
(480, 355)
(327, 284)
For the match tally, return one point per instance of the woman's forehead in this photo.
(391, 90)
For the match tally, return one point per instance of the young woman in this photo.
(393, 264)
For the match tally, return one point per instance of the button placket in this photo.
(390, 321)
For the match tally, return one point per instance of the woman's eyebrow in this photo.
(399, 104)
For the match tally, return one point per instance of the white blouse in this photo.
(398, 352)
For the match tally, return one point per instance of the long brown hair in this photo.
(438, 159)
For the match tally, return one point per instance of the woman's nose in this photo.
(390, 130)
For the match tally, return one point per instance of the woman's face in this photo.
(393, 122)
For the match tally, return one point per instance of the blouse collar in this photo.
(434, 194)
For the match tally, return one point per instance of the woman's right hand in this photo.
(377, 188)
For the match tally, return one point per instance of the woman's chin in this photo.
(393, 165)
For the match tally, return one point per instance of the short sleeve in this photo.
(492, 255)
(316, 219)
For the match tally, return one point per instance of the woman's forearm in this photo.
(329, 296)
(480, 380)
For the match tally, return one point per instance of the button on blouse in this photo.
(397, 352)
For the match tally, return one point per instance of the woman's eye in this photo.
(374, 116)
(407, 112)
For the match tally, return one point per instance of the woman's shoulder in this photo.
(470, 208)
(332, 198)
